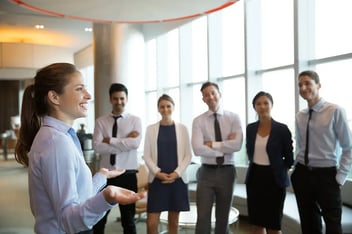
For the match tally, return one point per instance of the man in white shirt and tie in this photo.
(117, 136)
(216, 135)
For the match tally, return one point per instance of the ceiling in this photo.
(17, 25)
(65, 20)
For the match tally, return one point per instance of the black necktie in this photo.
(306, 159)
(114, 134)
(219, 160)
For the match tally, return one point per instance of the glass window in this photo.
(232, 44)
(333, 76)
(233, 98)
(333, 34)
(199, 51)
(172, 58)
(280, 84)
(150, 65)
(152, 114)
(213, 47)
(168, 58)
(277, 33)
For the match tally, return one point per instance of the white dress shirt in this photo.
(203, 130)
(124, 147)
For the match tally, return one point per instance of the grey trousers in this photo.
(215, 184)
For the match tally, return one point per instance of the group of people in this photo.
(323, 160)
(65, 198)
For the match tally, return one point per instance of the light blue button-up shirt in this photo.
(64, 198)
(330, 138)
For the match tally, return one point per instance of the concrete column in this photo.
(118, 58)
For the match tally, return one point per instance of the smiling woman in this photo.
(59, 179)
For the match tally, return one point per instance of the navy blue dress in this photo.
(167, 197)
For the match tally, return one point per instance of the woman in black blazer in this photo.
(270, 155)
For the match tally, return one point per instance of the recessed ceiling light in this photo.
(88, 29)
(39, 26)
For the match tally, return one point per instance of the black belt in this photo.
(214, 166)
(309, 168)
(130, 171)
(86, 232)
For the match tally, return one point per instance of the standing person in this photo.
(216, 147)
(167, 153)
(270, 155)
(318, 177)
(64, 198)
(116, 138)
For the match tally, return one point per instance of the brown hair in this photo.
(166, 98)
(35, 104)
(312, 74)
(207, 84)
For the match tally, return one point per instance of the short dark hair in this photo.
(260, 94)
(311, 74)
(117, 87)
(207, 84)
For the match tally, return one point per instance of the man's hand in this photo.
(133, 134)
(208, 143)
(106, 140)
(111, 174)
(114, 194)
(232, 136)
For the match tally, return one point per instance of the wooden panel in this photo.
(9, 102)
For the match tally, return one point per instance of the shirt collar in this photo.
(318, 105)
(123, 115)
(220, 111)
(55, 123)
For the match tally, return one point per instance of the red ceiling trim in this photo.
(44, 11)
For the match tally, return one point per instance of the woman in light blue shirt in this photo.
(64, 198)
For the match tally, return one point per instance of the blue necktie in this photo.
(75, 139)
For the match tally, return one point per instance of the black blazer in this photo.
(279, 149)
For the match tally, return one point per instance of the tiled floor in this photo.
(16, 217)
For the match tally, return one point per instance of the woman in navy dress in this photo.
(167, 153)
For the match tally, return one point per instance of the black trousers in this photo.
(318, 195)
(127, 180)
